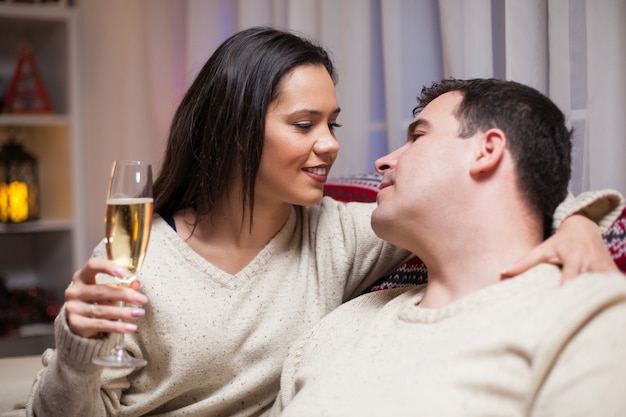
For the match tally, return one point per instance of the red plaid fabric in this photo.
(361, 188)
(615, 240)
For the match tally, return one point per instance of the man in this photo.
(472, 190)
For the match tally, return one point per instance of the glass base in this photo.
(120, 360)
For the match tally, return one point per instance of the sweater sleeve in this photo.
(69, 384)
(345, 229)
(602, 206)
(589, 375)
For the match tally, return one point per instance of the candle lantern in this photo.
(19, 187)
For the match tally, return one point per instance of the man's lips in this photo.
(384, 184)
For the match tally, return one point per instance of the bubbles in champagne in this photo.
(127, 231)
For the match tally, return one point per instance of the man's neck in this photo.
(471, 260)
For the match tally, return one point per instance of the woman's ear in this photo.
(490, 150)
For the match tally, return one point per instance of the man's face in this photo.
(421, 178)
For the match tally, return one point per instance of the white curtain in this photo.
(131, 55)
(605, 136)
(375, 43)
(572, 50)
(141, 55)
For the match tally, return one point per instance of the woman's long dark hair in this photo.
(217, 133)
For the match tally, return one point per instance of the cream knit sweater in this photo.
(215, 342)
(526, 347)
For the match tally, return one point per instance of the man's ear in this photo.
(490, 150)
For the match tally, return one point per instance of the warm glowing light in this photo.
(19, 189)
(4, 202)
(13, 202)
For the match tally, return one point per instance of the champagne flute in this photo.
(127, 231)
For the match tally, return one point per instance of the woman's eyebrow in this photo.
(315, 112)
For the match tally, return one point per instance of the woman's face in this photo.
(300, 145)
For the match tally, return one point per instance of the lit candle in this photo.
(14, 202)
(4, 202)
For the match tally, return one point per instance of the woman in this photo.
(244, 255)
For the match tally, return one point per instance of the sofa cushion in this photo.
(615, 240)
(364, 187)
(361, 188)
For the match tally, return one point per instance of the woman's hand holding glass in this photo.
(93, 309)
(98, 303)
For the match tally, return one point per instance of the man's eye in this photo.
(415, 136)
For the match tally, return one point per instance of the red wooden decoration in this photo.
(27, 94)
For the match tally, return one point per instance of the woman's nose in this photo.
(327, 144)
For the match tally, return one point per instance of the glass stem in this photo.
(119, 340)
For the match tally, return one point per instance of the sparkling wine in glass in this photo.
(127, 230)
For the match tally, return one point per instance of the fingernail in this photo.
(138, 312)
(120, 272)
(140, 298)
(130, 326)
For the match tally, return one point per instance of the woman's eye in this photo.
(334, 125)
(304, 125)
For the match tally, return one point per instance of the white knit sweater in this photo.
(215, 342)
(527, 346)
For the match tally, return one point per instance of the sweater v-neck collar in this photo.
(225, 279)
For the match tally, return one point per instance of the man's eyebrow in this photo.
(415, 124)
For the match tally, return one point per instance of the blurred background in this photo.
(140, 56)
(117, 69)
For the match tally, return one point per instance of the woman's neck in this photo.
(226, 237)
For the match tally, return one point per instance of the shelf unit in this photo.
(46, 251)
